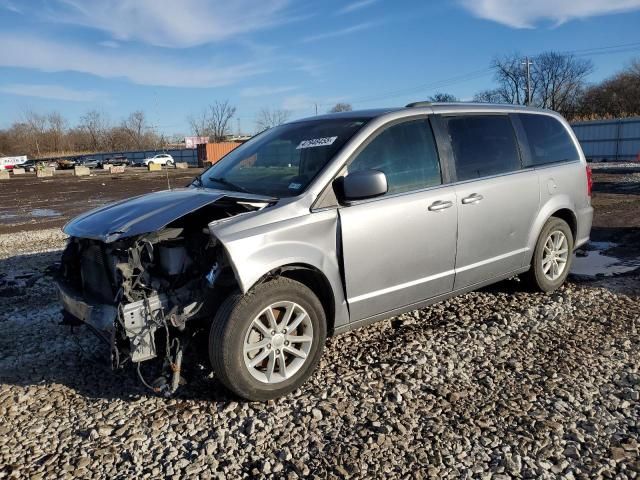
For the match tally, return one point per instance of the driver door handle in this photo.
(440, 205)
(473, 198)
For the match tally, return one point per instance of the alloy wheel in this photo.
(555, 255)
(278, 342)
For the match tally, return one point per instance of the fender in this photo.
(555, 203)
(309, 239)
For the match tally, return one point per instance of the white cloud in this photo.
(528, 13)
(55, 92)
(339, 33)
(169, 23)
(52, 56)
(265, 91)
(352, 7)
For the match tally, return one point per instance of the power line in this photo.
(604, 50)
(438, 84)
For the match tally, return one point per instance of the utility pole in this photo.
(238, 126)
(316, 108)
(527, 63)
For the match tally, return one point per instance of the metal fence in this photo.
(188, 155)
(609, 140)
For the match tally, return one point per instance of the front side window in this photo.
(483, 145)
(548, 140)
(406, 153)
(282, 161)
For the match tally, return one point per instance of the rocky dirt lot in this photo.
(499, 383)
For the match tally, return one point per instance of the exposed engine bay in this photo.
(149, 295)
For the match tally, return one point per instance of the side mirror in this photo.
(362, 184)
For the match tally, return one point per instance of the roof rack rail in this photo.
(418, 104)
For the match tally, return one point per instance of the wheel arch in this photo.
(316, 281)
(568, 216)
(559, 206)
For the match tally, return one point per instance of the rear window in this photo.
(483, 145)
(549, 141)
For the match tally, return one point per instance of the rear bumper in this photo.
(584, 218)
(98, 316)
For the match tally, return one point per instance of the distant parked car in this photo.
(66, 163)
(160, 159)
(117, 160)
(32, 165)
(88, 162)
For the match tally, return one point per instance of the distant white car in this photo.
(160, 159)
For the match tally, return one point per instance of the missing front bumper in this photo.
(139, 321)
(99, 317)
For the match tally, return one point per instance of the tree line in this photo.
(559, 82)
(42, 135)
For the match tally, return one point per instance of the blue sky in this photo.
(171, 58)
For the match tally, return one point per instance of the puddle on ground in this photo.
(595, 262)
(7, 218)
(44, 212)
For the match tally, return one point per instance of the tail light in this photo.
(589, 180)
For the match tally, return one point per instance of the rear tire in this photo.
(244, 333)
(169, 164)
(552, 256)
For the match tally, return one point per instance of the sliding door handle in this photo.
(440, 205)
(473, 198)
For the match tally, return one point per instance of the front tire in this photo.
(266, 343)
(552, 256)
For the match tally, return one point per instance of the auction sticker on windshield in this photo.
(316, 142)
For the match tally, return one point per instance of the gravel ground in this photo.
(493, 384)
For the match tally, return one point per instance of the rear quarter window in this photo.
(549, 142)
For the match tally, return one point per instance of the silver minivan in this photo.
(322, 225)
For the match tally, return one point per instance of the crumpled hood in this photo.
(143, 214)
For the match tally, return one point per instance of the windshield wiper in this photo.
(197, 181)
(227, 183)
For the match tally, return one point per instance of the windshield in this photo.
(282, 161)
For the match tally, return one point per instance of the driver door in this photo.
(399, 249)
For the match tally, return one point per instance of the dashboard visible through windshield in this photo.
(282, 161)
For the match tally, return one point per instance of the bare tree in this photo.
(488, 96)
(220, 114)
(135, 125)
(56, 130)
(95, 125)
(511, 78)
(557, 80)
(268, 118)
(341, 107)
(443, 98)
(36, 127)
(200, 124)
(617, 96)
(560, 80)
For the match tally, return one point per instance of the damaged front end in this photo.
(148, 295)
